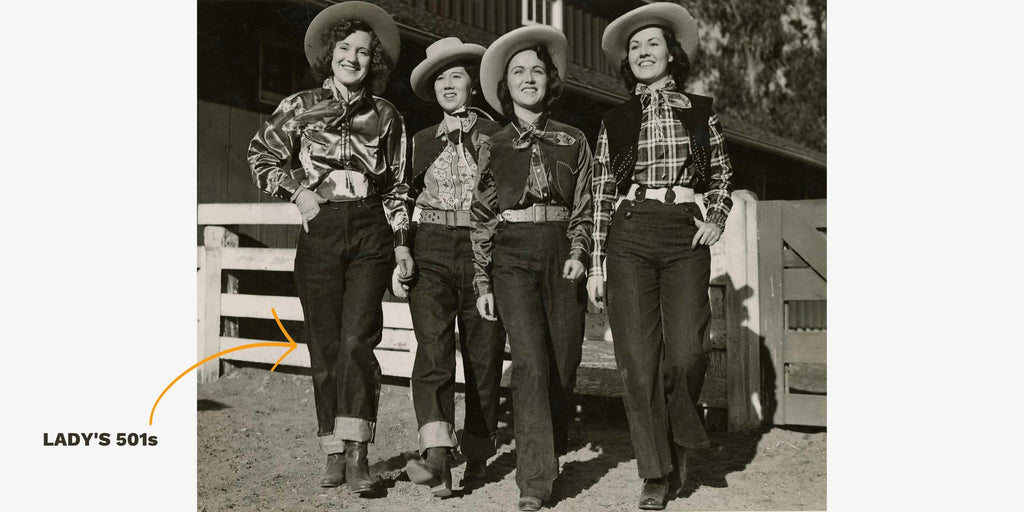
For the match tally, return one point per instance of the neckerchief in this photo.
(328, 111)
(526, 139)
(656, 97)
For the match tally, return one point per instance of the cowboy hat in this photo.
(378, 19)
(492, 67)
(442, 52)
(615, 41)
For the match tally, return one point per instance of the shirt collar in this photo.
(538, 124)
(466, 123)
(355, 99)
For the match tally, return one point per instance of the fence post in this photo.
(742, 370)
(214, 238)
(771, 298)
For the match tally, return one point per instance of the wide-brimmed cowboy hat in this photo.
(378, 19)
(492, 67)
(440, 53)
(615, 41)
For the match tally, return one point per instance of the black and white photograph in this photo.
(511, 255)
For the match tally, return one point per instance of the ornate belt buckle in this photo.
(540, 213)
(641, 193)
(670, 196)
(449, 219)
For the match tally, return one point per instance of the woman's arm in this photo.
(604, 202)
(581, 220)
(484, 219)
(271, 149)
(717, 198)
(395, 191)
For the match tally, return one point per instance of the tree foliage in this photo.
(764, 62)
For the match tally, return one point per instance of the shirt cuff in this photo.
(596, 271)
(402, 237)
(718, 218)
(579, 255)
(482, 287)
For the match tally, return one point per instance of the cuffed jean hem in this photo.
(346, 429)
(331, 443)
(437, 434)
(481, 448)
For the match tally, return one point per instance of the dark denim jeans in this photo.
(658, 311)
(342, 267)
(441, 298)
(544, 316)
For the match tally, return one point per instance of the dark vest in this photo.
(622, 125)
(426, 147)
(511, 166)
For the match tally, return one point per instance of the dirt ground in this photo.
(258, 451)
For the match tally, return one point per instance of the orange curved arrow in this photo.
(291, 346)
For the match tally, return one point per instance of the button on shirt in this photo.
(449, 182)
(663, 160)
(347, 150)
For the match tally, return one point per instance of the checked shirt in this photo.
(663, 154)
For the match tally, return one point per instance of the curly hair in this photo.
(472, 69)
(551, 92)
(380, 63)
(678, 68)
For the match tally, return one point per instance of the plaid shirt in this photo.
(663, 154)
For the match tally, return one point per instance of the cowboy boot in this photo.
(334, 473)
(357, 469)
(654, 493)
(476, 470)
(435, 471)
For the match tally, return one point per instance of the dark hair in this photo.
(678, 68)
(380, 63)
(551, 92)
(472, 69)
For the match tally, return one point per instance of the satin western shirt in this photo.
(345, 150)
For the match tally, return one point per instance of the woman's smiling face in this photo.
(351, 60)
(527, 79)
(453, 87)
(648, 55)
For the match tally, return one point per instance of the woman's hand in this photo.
(485, 305)
(595, 290)
(707, 233)
(573, 269)
(309, 206)
(398, 286)
(403, 259)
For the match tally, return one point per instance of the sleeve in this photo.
(484, 220)
(395, 193)
(581, 221)
(604, 202)
(272, 148)
(717, 199)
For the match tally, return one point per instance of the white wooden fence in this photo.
(734, 271)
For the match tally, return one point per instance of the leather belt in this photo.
(537, 213)
(674, 195)
(450, 219)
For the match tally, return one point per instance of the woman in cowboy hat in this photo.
(531, 241)
(443, 178)
(349, 189)
(654, 152)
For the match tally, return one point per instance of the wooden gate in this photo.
(792, 275)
